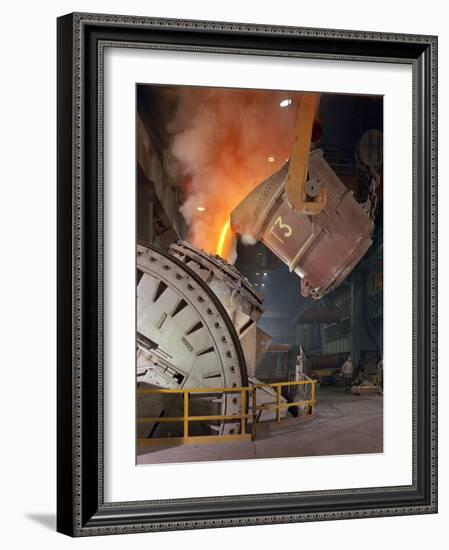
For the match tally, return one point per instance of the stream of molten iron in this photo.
(222, 238)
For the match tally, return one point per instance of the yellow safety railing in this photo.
(186, 418)
(309, 403)
(243, 417)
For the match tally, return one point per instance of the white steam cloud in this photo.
(224, 142)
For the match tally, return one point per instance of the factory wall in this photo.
(359, 332)
(341, 345)
(279, 288)
(309, 336)
(159, 219)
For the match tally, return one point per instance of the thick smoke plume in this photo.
(224, 143)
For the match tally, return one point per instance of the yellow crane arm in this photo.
(297, 172)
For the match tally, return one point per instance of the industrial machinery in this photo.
(243, 305)
(322, 249)
(242, 302)
(196, 328)
(306, 216)
(184, 339)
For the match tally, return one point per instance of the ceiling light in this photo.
(265, 274)
(200, 208)
(271, 159)
(285, 102)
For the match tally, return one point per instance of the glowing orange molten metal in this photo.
(222, 238)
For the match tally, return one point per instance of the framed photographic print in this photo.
(247, 281)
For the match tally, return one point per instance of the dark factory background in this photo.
(348, 320)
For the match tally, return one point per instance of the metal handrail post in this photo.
(186, 414)
(254, 397)
(278, 404)
(243, 406)
(312, 397)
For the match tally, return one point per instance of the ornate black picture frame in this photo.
(81, 510)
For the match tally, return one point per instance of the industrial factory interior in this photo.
(259, 274)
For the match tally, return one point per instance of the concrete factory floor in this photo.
(343, 424)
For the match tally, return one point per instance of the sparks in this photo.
(223, 234)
